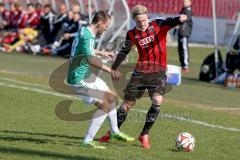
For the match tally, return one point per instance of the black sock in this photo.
(121, 116)
(151, 118)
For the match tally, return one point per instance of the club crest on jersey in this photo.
(151, 28)
(144, 42)
(137, 36)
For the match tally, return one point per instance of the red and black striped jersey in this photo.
(4, 15)
(151, 45)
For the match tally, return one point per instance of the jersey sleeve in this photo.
(125, 49)
(168, 22)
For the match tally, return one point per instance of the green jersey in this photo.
(82, 47)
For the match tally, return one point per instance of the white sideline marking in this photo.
(12, 72)
(24, 83)
(194, 121)
(138, 110)
(38, 90)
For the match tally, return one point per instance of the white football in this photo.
(185, 141)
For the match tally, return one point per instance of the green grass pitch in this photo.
(30, 129)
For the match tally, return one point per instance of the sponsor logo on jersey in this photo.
(145, 41)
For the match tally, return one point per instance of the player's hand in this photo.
(109, 55)
(116, 75)
(66, 36)
(182, 18)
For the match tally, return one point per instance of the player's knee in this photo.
(111, 97)
(157, 100)
(105, 106)
(127, 105)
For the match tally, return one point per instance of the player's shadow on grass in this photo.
(41, 134)
(44, 154)
(22, 136)
(24, 139)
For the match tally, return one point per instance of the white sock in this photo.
(112, 117)
(98, 119)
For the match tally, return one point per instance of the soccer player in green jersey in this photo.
(91, 88)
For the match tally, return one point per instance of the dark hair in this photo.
(16, 5)
(47, 6)
(100, 16)
(1, 4)
(30, 5)
(38, 5)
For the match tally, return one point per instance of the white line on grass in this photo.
(138, 110)
(38, 90)
(12, 72)
(23, 83)
(193, 121)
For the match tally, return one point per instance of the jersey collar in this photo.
(91, 32)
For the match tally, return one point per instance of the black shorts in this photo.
(139, 82)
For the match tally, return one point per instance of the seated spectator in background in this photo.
(39, 11)
(85, 17)
(233, 57)
(25, 35)
(67, 24)
(30, 18)
(232, 62)
(76, 8)
(4, 14)
(12, 19)
(46, 26)
(15, 16)
(60, 19)
(62, 47)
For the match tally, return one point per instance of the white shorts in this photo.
(91, 90)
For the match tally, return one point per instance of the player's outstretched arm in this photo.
(104, 53)
(171, 22)
(98, 63)
(125, 49)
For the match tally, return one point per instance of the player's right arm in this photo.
(89, 50)
(127, 46)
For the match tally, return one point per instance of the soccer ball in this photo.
(185, 141)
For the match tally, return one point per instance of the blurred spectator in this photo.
(46, 26)
(4, 14)
(232, 62)
(15, 16)
(85, 17)
(30, 18)
(39, 11)
(233, 57)
(184, 32)
(76, 8)
(62, 46)
(25, 35)
(60, 19)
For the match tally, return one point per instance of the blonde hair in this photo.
(138, 10)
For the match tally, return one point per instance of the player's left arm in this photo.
(171, 22)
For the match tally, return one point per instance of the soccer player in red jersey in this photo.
(149, 36)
